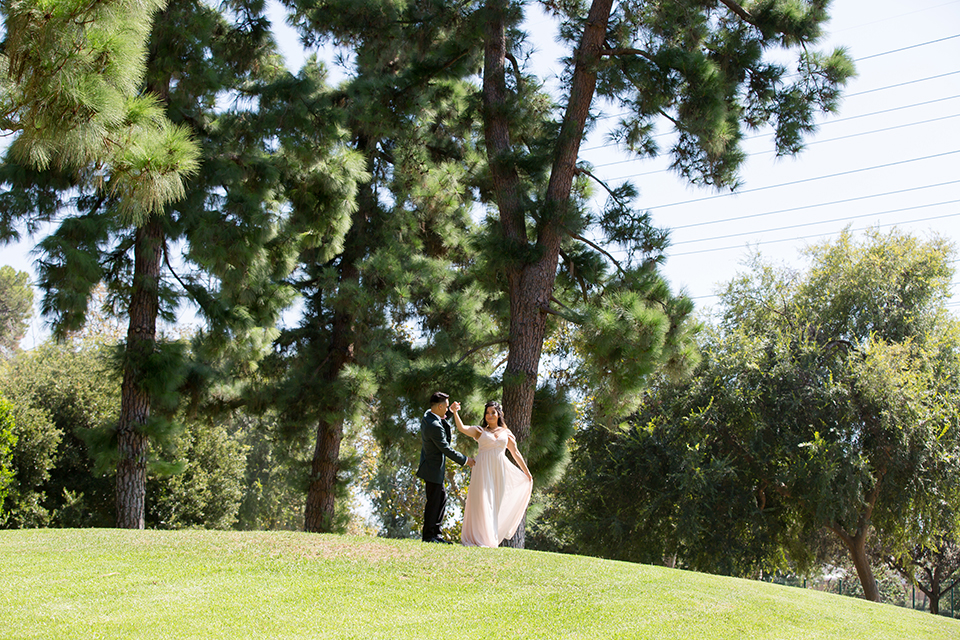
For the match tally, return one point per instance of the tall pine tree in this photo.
(209, 68)
(702, 67)
(353, 351)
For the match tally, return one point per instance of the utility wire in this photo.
(809, 144)
(846, 95)
(900, 84)
(912, 46)
(835, 220)
(822, 124)
(821, 204)
(818, 235)
(805, 180)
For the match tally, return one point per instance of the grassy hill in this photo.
(204, 584)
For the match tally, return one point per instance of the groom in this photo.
(435, 443)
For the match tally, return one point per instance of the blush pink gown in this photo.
(498, 494)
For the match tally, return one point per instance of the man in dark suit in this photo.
(435, 435)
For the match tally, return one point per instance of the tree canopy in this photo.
(432, 211)
(71, 86)
(826, 400)
(16, 307)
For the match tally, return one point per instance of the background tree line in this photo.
(430, 215)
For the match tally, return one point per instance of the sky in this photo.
(889, 157)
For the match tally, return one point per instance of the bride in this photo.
(499, 491)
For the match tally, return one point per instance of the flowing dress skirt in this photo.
(497, 497)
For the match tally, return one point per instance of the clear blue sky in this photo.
(891, 156)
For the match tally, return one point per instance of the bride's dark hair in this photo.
(495, 405)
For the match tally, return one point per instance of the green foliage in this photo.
(824, 401)
(628, 335)
(273, 494)
(71, 83)
(207, 489)
(62, 397)
(16, 308)
(713, 72)
(8, 440)
(546, 451)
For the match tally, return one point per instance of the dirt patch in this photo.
(321, 546)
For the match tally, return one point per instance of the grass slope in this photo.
(204, 584)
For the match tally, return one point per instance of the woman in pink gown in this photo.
(499, 492)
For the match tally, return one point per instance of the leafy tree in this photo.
(273, 497)
(703, 66)
(62, 396)
(934, 567)
(16, 307)
(406, 247)
(67, 397)
(824, 401)
(8, 440)
(207, 488)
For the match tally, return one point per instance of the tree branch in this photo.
(573, 273)
(481, 346)
(555, 301)
(613, 194)
(740, 11)
(516, 68)
(623, 53)
(596, 247)
(166, 261)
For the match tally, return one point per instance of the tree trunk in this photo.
(320, 510)
(531, 284)
(857, 546)
(135, 400)
(936, 584)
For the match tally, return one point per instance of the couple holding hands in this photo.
(499, 491)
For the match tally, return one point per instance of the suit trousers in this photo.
(434, 509)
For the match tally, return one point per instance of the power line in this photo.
(846, 95)
(912, 46)
(822, 124)
(900, 84)
(805, 180)
(819, 235)
(876, 55)
(809, 144)
(811, 224)
(821, 204)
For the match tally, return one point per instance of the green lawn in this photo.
(202, 584)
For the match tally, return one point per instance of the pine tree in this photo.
(70, 86)
(403, 110)
(210, 69)
(701, 66)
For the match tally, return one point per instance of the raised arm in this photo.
(467, 430)
(512, 448)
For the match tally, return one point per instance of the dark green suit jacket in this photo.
(435, 441)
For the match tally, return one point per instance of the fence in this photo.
(915, 599)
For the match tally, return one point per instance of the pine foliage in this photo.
(71, 87)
